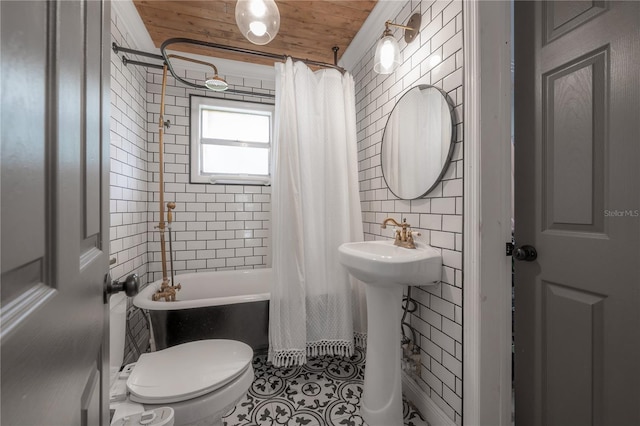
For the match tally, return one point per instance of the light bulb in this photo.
(258, 28)
(258, 8)
(386, 54)
(258, 20)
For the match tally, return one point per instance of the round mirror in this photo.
(417, 142)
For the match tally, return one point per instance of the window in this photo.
(230, 141)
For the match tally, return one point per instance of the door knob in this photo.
(526, 253)
(130, 286)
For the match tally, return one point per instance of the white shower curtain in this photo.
(315, 305)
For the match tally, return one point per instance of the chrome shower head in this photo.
(216, 83)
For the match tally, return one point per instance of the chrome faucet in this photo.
(404, 236)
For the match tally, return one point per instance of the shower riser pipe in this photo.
(170, 207)
(161, 224)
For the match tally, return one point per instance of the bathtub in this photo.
(212, 305)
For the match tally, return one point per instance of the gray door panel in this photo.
(55, 241)
(577, 163)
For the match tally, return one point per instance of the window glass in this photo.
(235, 126)
(230, 141)
(219, 159)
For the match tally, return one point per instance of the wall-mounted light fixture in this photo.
(387, 56)
(258, 20)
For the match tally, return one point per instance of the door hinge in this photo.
(509, 248)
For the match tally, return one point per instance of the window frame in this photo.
(196, 174)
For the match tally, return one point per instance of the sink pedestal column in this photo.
(382, 395)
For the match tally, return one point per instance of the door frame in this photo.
(487, 213)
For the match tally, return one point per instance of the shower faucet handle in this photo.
(170, 206)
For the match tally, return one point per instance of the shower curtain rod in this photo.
(165, 58)
(252, 52)
(126, 61)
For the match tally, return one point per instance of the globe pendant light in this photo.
(258, 20)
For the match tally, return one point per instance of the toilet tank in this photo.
(117, 324)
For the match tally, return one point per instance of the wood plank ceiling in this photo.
(308, 29)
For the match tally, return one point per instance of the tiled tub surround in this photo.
(216, 227)
(129, 172)
(438, 216)
(325, 391)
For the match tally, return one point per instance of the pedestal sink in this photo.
(385, 269)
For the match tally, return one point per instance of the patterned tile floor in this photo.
(325, 391)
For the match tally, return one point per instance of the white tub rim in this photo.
(143, 299)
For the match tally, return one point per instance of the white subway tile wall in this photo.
(216, 227)
(438, 216)
(129, 170)
(228, 226)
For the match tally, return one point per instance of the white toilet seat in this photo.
(187, 371)
(209, 408)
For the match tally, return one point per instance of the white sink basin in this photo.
(385, 269)
(381, 263)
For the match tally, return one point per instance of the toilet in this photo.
(194, 383)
